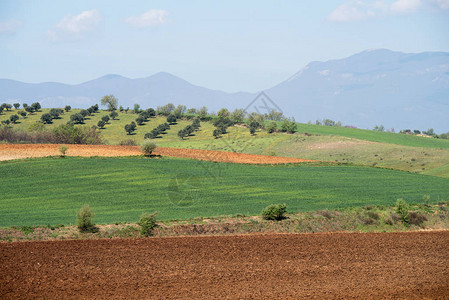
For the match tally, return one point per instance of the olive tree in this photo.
(14, 118)
(46, 118)
(110, 101)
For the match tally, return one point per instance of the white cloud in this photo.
(153, 17)
(9, 27)
(443, 4)
(360, 10)
(405, 6)
(73, 27)
(357, 11)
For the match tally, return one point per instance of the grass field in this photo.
(51, 190)
(376, 136)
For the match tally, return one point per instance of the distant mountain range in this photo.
(398, 90)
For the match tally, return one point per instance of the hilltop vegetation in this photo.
(328, 143)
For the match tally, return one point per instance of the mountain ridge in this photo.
(368, 88)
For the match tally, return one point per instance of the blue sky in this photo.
(226, 45)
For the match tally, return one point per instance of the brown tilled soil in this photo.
(18, 151)
(411, 265)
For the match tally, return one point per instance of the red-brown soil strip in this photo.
(412, 265)
(19, 151)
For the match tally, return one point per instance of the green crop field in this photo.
(50, 190)
(376, 136)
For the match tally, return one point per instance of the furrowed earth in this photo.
(404, 265)
(20, 151)
(412, 265)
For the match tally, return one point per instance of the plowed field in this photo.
(346, 265)
(18, 151)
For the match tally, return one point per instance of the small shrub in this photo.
(148, 147)
(373, 215)
(216, 133)
(389, 221)
(84, 219)
(128, 142)
(402, 209)
(272, 127)
(366, 220)
(147, 223)
(274, 212)
(63, 149)
(416, 218)
(325, 213)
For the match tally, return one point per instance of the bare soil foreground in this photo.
(412, 265)
(19, 151)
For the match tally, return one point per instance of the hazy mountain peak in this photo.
(373, 87)
(112, 76)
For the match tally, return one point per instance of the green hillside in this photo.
(353, 146)
(114, 131)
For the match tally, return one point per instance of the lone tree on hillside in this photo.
(130, 128)
(14, 118)
(36, 106)
(182, 133)
(253, 127)
(113, 115)
(29, 109)
(77, 118)
(56, 112)
(16, 105)
(105, 119)
(110, 101)
(46, 118)
(67, 108)
(7, 106)
(101, 124)
(171, 119)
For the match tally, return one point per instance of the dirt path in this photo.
(346, 265)
(18, 151)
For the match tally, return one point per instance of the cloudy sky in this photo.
(227, 45)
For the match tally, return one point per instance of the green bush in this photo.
(148, 147)
(63, 149)
(402, 208)
(84, 219)
(147, 223)
(272, 127)
(274, 212)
